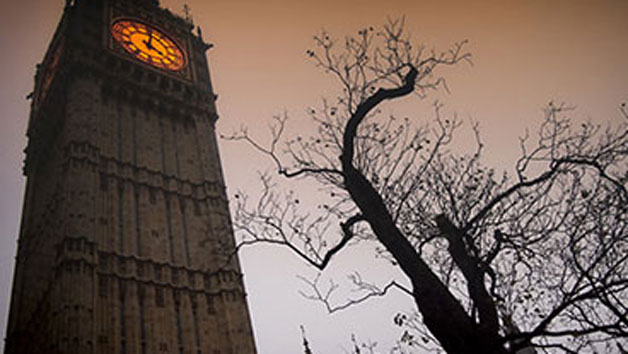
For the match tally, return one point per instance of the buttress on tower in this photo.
(126, 243)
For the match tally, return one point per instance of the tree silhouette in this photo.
(496, 264)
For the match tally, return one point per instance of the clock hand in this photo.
(149, 42)
(150, 39)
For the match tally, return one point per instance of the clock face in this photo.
(148, 44)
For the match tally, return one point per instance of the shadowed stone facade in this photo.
(126, 237)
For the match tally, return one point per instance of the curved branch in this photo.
(305, 171)
(364, 108)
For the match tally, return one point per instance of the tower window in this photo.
(159, 296)
(104, 185)
(122, 265)
(211, 307)
(141, 291)
(158, 272)
(102, 286)
(192, 279)
(197, 208)
(103, 261)
(140, 269)
(152, 197)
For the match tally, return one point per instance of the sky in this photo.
(525, 53)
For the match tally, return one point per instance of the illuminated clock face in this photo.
(148, 44)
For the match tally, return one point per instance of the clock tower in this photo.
(126, 243)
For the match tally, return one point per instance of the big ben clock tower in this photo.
(126, 243)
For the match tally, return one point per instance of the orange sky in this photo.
(525, 53)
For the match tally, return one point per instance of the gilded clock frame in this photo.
(168, 54)
(123, 10)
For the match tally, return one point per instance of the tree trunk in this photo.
(442, 313)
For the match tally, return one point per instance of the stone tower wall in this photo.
(126, 234)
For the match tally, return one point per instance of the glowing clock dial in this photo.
(148, 44)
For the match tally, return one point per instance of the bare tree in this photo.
(495, 264)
